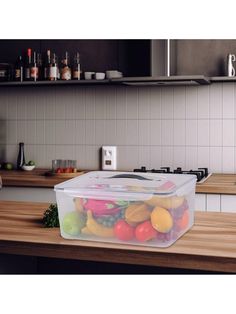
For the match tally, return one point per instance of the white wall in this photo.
(152, 126)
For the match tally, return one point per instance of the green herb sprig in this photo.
(50, 217)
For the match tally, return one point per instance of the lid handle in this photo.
(130, 176)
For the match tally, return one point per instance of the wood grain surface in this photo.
(210, 245)
(35, 178)
(216, 183)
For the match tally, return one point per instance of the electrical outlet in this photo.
(109, 158)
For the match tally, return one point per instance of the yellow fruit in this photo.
(78, 204)
(137, 213)
(166, 202)
(86, 231)
(161, 219)
(97, 229)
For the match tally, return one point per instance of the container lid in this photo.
(107, 183)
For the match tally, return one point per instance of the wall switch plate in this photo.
(109, 158)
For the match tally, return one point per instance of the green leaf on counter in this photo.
(50, 217)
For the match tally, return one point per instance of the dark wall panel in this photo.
(207, 57)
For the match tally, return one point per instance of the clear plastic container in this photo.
(148, 209)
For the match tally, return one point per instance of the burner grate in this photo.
(201, 173)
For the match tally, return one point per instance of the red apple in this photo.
(123, 231)
(145, 231)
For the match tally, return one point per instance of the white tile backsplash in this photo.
(167, 156)
(191, 102)
(203, 132)
(99, 132)
(216, 101)
(143, 103)
(144, 132)
(121, 112)
(132, 100)
(155, 103)
(131, 132)
(167, 132)
(228, 101)
(152, 126)
(203, 156)
(179, 132)
(191, 132)
(155, 132)
(216, 159)
(191, 160)
(216, 132)
(228, 160)
(179, 156)
(203, 102)
(228, 132)
(167, 105)
(179, 103)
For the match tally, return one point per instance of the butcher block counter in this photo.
(36, 178)
(215, 184)
(210, 245)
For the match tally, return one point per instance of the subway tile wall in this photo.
(175, 126)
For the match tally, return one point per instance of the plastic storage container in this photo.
(148, 209)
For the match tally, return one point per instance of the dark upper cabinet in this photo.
(11, 49)
(132, 57)
(201, 57)
(136, 58)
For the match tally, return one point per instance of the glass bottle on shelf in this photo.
(47, 66)
(53, 70)
(34, 70)
(18, 71)
(39, 64)
(76, 73)
(65, 69)
(21, 156)
(28, 65)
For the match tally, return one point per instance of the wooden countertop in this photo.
(34, 178)
(216, 183)
(210, 245)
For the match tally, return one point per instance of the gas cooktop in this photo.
(201, 173)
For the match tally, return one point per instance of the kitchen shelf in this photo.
(130, 81)
(222, 79)
(54, 83)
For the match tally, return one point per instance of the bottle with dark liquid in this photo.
(76, 73)
(18, 71)
(28, 65)
(39, 64)
(21, 156)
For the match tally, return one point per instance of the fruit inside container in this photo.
(128, 221)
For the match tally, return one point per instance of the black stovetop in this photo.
(201, 173)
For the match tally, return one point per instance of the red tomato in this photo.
(123, 231)
(67, 170)
(59, 170)
(145, 231)
(183, 222)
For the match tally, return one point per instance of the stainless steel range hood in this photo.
(188, 80)
(162, 58)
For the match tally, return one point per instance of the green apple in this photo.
(8, 166)
(73, 222)
(31, 163)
